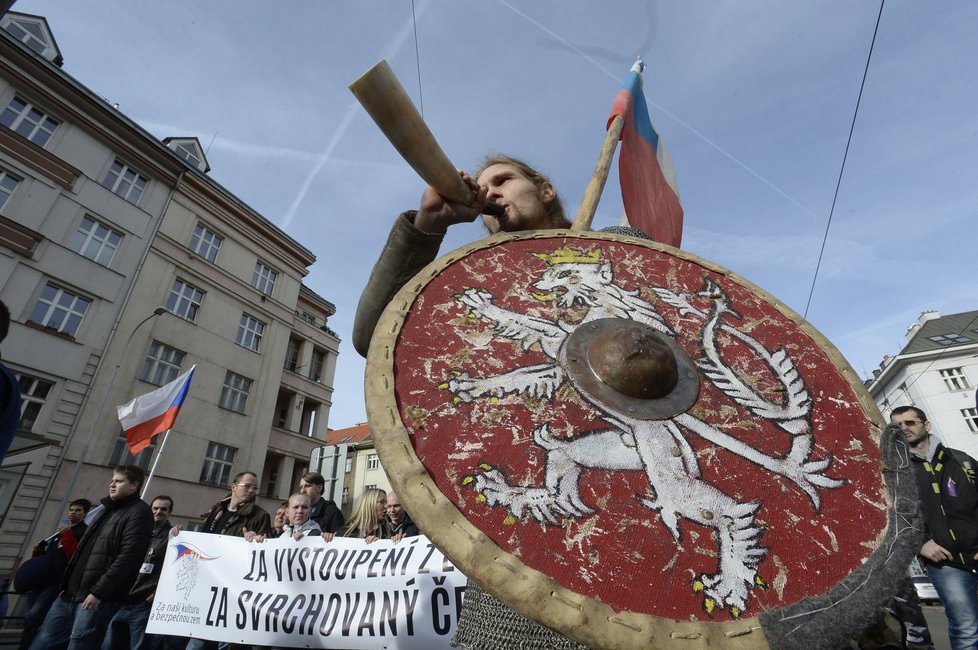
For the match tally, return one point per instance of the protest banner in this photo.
(308, 593)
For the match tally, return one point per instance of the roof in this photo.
(350, 435)
(944, 332)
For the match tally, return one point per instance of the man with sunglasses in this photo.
(949, 501)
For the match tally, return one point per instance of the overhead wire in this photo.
(845, 155)
(417, 59)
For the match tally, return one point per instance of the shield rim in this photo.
(577, 616)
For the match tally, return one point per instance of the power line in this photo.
(838, 183)
(417, 59)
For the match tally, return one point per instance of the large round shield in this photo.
(623, 441)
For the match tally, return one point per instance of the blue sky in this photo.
(754, 100)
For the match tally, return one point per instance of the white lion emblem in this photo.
(576, 278)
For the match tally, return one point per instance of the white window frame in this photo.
(64, 311)
(250, 332)
(125, 181)
(264, 278)
(29, 121)
(955, 379)
(34, 393)
(205, 242)
(28, 38)
(162, 364)
(188, 153)
(218, 461)
(349, 465)
(234, 392)
(184, 300)
(373, 461)
(8, 183)
(971, 419)
(98, 243)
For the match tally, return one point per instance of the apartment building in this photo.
(124, 264)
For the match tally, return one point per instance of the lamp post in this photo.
(101, 409)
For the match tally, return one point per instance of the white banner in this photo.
(308, 593)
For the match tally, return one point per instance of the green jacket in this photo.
(407, 251)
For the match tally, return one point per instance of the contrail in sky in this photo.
(352, 111)
(618, 78)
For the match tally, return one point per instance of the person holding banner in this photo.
(279, 520)
(237, 513)
(368, 521)
(299, 524)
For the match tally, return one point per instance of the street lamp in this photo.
(101, 408)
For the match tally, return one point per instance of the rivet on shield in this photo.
(631, 368)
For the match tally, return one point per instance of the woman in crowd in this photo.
(368, 520)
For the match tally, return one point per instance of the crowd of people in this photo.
(91, 585)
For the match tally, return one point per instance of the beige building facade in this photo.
(123, 264)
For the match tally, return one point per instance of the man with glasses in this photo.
(238, 513)
(235, 514)
(946, 481)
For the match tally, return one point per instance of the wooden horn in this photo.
(382, 95)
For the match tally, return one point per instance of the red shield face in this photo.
(765, 491)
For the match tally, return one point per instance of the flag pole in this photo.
(592, 193)
(152, 470)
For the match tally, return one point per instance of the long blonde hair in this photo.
(365, 519)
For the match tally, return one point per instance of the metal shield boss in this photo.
(610, 433)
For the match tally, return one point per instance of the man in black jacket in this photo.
(127, 630)
(949, 500)
(103, 568)
(324, 512)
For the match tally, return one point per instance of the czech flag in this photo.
(154, 412)
(648, 181)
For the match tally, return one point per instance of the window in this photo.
(95, 240)
(263, 278)
(955, 379)
(234, 394)
(60, 309)
(316, 366)
(373, 461)
(205, 243)
(949, 339)
(26, 120)
(188, 153)
(217, 464)
(292, 355)
(349, 465)
(184, 300)
(8, 183)
(33, 395)
(306, 316)
(971, 419)
(122, 456)
(250, 331)
(125, 182)
(162, 364)
(372, 486)
(346, 495)
(28, 33)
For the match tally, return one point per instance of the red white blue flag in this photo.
(154, 412)
(648, 181)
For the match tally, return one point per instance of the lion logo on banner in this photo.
(579, 279)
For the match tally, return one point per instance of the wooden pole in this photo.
(592, 193)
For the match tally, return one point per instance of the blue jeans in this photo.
(40, 604)
(68, 625)
(957, 589)
(203, 644)
(127, 629)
